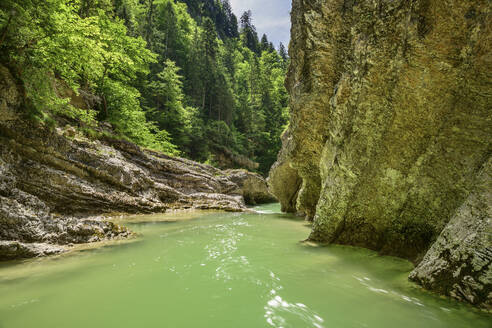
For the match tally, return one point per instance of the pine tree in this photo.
(264, 44)
(169, 112)
(231, 30)
(282, 52)
(248, 33)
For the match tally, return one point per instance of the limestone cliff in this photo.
(252, 185)
(458, 263)
(390, 128)
(51, 180)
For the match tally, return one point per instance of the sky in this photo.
(271, 17)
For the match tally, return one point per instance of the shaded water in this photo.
(221, 270)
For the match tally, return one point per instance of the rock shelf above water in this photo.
(51, 180)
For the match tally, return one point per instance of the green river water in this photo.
(204, 269)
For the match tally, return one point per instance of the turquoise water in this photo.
(221, 270)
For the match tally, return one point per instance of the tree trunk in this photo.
(105, 104)
(203, 98)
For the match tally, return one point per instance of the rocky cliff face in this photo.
(390, 129)
(52, 179)
(252, 185)
(458, 263)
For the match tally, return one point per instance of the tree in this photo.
(231, 29)
(248, 32)
(283, 55)
(170, 113)
(264, 44)
(282, 52)
(209, 40)
(193, 87)
(128, 11)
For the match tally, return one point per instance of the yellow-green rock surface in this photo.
(390, 121)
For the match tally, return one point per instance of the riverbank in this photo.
(56, 182)
(388, 145)
(223, 269)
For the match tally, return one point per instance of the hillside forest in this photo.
(187, 78)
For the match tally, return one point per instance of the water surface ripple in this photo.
(221, 270)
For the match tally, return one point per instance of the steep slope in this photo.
(390, 125)
(51, 180)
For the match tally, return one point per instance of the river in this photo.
(209, 269)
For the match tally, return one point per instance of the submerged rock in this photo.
(10, 250)
(390, 126)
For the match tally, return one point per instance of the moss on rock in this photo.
(390, 119)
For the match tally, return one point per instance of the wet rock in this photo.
(48, 182)
(390, 122)
(459, 263)
(51, 180)
(11, 250)
(284, 181)
(252, 186)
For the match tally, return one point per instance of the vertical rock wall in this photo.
(458, 263)
(391, 120)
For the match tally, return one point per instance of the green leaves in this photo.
(121, 55)
(129, 119)
(58, 45)
(163, 79)
(169, 111)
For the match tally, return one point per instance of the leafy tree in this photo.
(177, 76)
(170, 113)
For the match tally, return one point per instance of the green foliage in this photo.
(169, 112)
(177, 76)
(249, 37)
(55, 43)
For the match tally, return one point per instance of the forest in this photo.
(187, 78)
(164, 164)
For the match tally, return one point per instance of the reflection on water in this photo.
(223, 251)
(277, 307)
(222, 270)
(224, 255)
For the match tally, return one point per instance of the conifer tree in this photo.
(248, 32)
(264, 44)
(196, 86)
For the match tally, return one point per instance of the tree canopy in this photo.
(183, 77)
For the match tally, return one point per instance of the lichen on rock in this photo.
(390, 119)
(459, 263)
(253, 186)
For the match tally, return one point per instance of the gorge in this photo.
(387, 152)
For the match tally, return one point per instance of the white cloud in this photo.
(271, 17)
